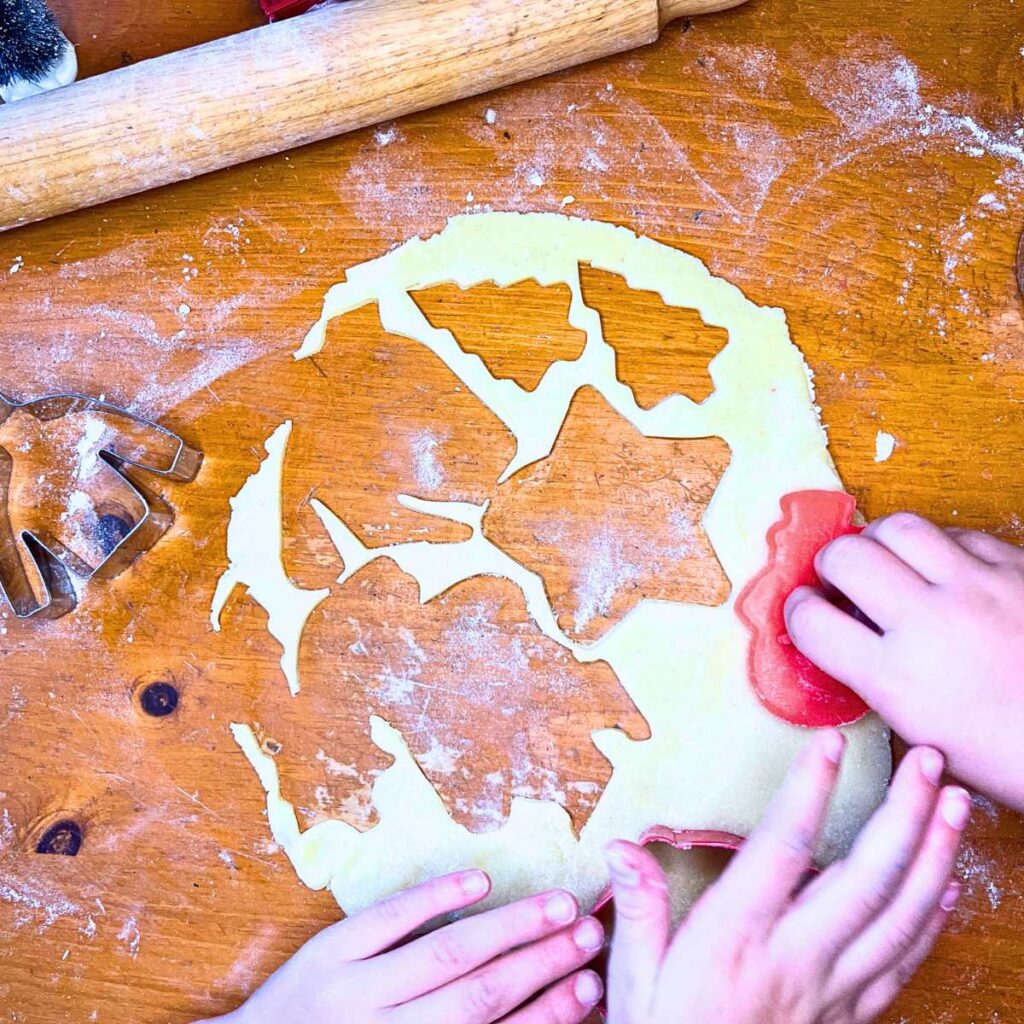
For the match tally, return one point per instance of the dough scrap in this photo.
(254, 558)
(715, 756)
(362, 867)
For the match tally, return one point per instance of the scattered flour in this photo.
(1013, 528)
(986, 806)
(441, 758)
(615, 563)
(7, 832)
(131, 937)
(16, 705)
(608, 570)
(429, 473)
(89, 445)
(388, 183)
(246, 972)
(33, 899)
(161, 394)
(385, 136)
(976, 874)
(335, 767)
(138, 324)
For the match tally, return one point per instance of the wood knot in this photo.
(111, 530)
(159, 699)
(63, 838)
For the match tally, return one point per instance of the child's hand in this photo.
(475, 971)
(947, 667)
(752, 952)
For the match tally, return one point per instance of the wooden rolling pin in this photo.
(337, 68)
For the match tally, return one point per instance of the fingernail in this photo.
(559, 908)
(950, 897)
(618, 863)
(956, 807)
(588, 935)
(931, 765)
(475, 883)
(588, 988)
(833, 744)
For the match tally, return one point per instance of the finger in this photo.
(642, 920)
(836, 642)
(760, 879)
(503, 985)
(452, 952)
(882, 992)
(925, 547)
(986, 547)
(839, 904)
(379, 927)
(888, 939)
(877, 581)
(568, 1002)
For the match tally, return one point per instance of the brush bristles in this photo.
(31, 44)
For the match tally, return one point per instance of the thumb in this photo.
(642, 920)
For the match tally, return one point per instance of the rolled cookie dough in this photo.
(715, 755)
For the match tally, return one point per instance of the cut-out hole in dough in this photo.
(490, 707)
(411, 427)
(518, 331)
(611, 518)
(661, 350)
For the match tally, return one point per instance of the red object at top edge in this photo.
(275, 10)
(788, 684)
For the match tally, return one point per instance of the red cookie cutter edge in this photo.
(679, 839)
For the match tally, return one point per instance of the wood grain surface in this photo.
(857, 165)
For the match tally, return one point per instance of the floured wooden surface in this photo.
(187, 303)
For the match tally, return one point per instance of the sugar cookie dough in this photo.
(254, 558)
(715, 755)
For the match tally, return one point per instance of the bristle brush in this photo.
(35, 55)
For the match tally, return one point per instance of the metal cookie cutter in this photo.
(1019, 267)
(69, 497)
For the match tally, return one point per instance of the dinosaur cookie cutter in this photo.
(70, 498)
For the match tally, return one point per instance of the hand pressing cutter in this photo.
(69, 501)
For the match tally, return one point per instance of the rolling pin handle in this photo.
(671, 10)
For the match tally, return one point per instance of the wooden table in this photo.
(857, 165)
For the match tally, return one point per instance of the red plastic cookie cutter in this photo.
(275, 10)
(788, 684)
